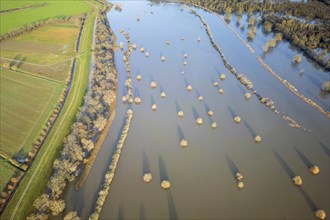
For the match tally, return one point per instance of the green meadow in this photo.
(25, 105)
(17, 19)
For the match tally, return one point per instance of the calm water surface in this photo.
(202, 181)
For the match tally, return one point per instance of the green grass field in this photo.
(26, 103)
(17, 19)
(36, 179)
(7, 171)
(47, 47)
(5, 5)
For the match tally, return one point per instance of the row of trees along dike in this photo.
(306, 25)
(90, 121)
(34, 25)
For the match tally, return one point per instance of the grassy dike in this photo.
(36, 178)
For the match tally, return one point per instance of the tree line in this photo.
(306, 25)
(90, 121)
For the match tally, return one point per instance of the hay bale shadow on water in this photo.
(137, 92)
(197, 93)
(194, 111)
(284, 164)
(232, 166)
(121, 212)
(308, 199)
(232, 112)
(180, 132)
(303, 157)
(152, 99)
(171, 206)
(142, 212)
(250, 129)
(207, 109)
(186, 83)
(325, 149)
(145, 163)
(177, 106)
(162, 169)
(241, 89)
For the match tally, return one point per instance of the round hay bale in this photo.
(210, 113)
(189, 88)
(200, 98)
(147, 177)
(220, 91)
(180, 114)
(124, 99)
(185, 56)
(184, 143)
(222, 76)
(168, 42)
(134, 46)
(162, 94)
(142, 49)
(297, 180)
(214, 125)
(163, 58)
(165, 184)
(320, 214)
(121, 45)
(130, 101)
(199, 121)
(198, 39)
(239, 176)
(314, 170)
(182, 38)
(254, 91)
(154, 107)
(182, 73)
(137, 100)
(124, 58)
(247, 95)
(185, 63)
(237, 119)
(257, 139)
(153, 85)
(240, 185)
(215, 84)
(139, 77)
(146, 54)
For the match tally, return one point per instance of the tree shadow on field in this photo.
(250, 129)
(145, 163)
(171, 206)
(142, 213)
(303, 157)
(232, 166)
(180, 132)
(194, 111)
(285, 166)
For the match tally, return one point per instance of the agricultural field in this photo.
(17, 19)
(7, 172)
(46, 51)
(26, 104)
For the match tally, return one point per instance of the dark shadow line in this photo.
(120, 212)
(145, 164)
(177, 106)
(308, 199)
(142, 213)
(250, 129)
(231, 111)
(173, 214)
(152, 99)
(284, 164)
(232, 166)
(180, 132)
(325, 149)
(194, 111)
(162, 169)
(303, 157)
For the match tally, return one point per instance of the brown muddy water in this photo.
(202, 179)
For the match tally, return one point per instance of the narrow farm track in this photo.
(78, 79)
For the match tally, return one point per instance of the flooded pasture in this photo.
(202, 175)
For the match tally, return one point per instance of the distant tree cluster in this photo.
(90, 121)
(305, 24)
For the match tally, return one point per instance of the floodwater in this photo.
(202, 179)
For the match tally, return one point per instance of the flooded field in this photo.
(202, 175)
